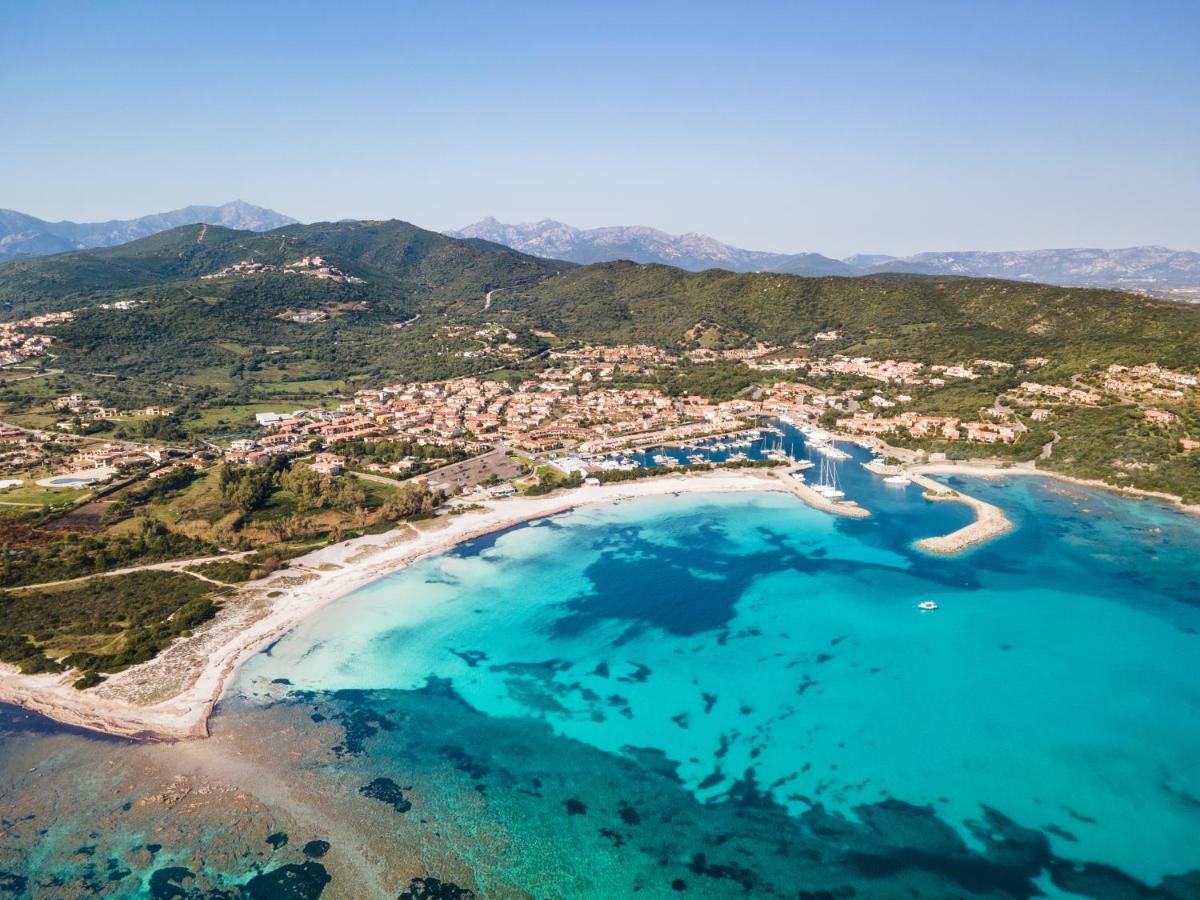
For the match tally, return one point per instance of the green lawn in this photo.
(30, 494)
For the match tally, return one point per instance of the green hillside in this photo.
(924, 318)
(400, 263)
(220, 348)
(410, 271)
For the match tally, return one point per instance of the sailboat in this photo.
(774, 450)
(826, 484)
(801, 464)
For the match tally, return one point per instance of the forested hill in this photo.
(181, 323)
(919, 317)
(397, 260)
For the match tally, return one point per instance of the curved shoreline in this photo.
(326, 574)
(998, 471)
(990, 521)
(133, 703)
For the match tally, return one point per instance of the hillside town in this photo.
(589, 401)
(573, 405)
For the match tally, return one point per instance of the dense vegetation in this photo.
(912, 317)
(425, 457)
(282, 488)
(32, 555)
(103, 625)
(397, 260)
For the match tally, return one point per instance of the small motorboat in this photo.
(927, 604)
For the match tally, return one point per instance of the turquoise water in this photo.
(718, 695)
(751, 637)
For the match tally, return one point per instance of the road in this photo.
(39, 374)
(1048, 447)
(487, 298)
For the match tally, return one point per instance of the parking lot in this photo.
(475, 471)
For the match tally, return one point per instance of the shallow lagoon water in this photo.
(720, 694)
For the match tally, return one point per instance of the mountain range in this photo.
(187, 310)
(638, 243)
(22, 235)
(1158, 271)
(1154, 270)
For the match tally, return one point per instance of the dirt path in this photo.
(174, 565)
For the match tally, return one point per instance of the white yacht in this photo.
(899, 478)
(927, 604)
(828, 449)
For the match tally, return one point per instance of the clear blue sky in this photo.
(849, 127)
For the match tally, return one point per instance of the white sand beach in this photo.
(171, 696)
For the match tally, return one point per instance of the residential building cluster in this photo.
(578, 404)
(1148, 379)
(25, 448)
(747, 355)
(915, 425)
(31, 448)
(88, 408)
(309, 266)
(1059, 392)
(563, 408)
(17, 345)
(888, 371)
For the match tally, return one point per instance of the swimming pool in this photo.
(72, 480)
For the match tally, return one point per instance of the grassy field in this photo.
(320, 386)
(239, 416)
(30, 494)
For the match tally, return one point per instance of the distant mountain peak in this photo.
(22, 235)
(643, 244)
(1150, 268)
